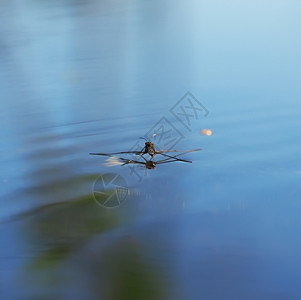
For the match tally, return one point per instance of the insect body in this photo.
(150, 149)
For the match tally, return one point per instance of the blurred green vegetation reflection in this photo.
(81, 237)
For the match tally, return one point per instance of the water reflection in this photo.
(112, 264)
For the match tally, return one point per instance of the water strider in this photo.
(149, 149)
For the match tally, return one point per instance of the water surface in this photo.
(92, 76)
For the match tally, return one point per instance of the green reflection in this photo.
(77, 234)
(64, 227)
(130, 274)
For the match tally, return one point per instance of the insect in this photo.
(149, 164)
(149, 148)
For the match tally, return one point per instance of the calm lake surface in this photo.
(94, 76)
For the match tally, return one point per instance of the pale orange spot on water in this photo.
(206, 132)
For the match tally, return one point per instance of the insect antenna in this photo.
(147, 140)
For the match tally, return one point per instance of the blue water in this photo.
(94, 76)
